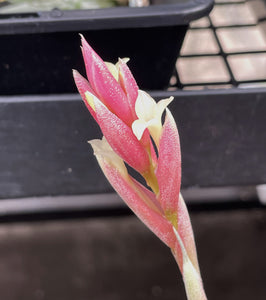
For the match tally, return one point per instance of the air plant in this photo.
(134, 135)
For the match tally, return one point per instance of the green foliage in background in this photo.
(20, 6)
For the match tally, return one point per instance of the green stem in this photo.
(191, 277)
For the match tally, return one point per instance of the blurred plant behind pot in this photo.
(21, 6)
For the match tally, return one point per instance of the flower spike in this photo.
(131, 123)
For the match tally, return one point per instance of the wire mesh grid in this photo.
(226, 49)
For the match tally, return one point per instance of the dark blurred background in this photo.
(64, 233)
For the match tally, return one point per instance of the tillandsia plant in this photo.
(133, 135)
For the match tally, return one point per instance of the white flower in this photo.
(149, 115)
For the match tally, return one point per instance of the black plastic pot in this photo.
(38, 50)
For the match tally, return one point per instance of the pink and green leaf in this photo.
(121, 138)
(128, 84)
(83, 86)
(106, 87)
(185, 231)
(169, 167)
(137, 201)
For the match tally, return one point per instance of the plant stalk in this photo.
(191, 276)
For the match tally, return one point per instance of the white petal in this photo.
(145, 106)
(138, 127)
(124, 59)
(161, 106)
(150, 114)
(155, 129)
